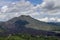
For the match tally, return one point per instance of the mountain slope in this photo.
(32, 23)
(27, 24)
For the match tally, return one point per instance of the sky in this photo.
(43, 10)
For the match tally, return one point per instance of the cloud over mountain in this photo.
(51, 7)
(48, 8)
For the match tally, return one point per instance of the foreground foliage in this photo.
(28, 37)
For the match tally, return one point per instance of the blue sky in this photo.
(34, 2)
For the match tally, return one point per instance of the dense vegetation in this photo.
(28, 37)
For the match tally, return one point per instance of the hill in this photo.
(32, 23)
(27, 24)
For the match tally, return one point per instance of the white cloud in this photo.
(50, 7)
(4, 9)
(2, 16)
(58, 20)
(46, 19)
(45, 9)
(17, 9)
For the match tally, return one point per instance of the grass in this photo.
(28, 37)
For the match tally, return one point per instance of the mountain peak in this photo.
(24, 16)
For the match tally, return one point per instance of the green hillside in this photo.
(28, 37)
